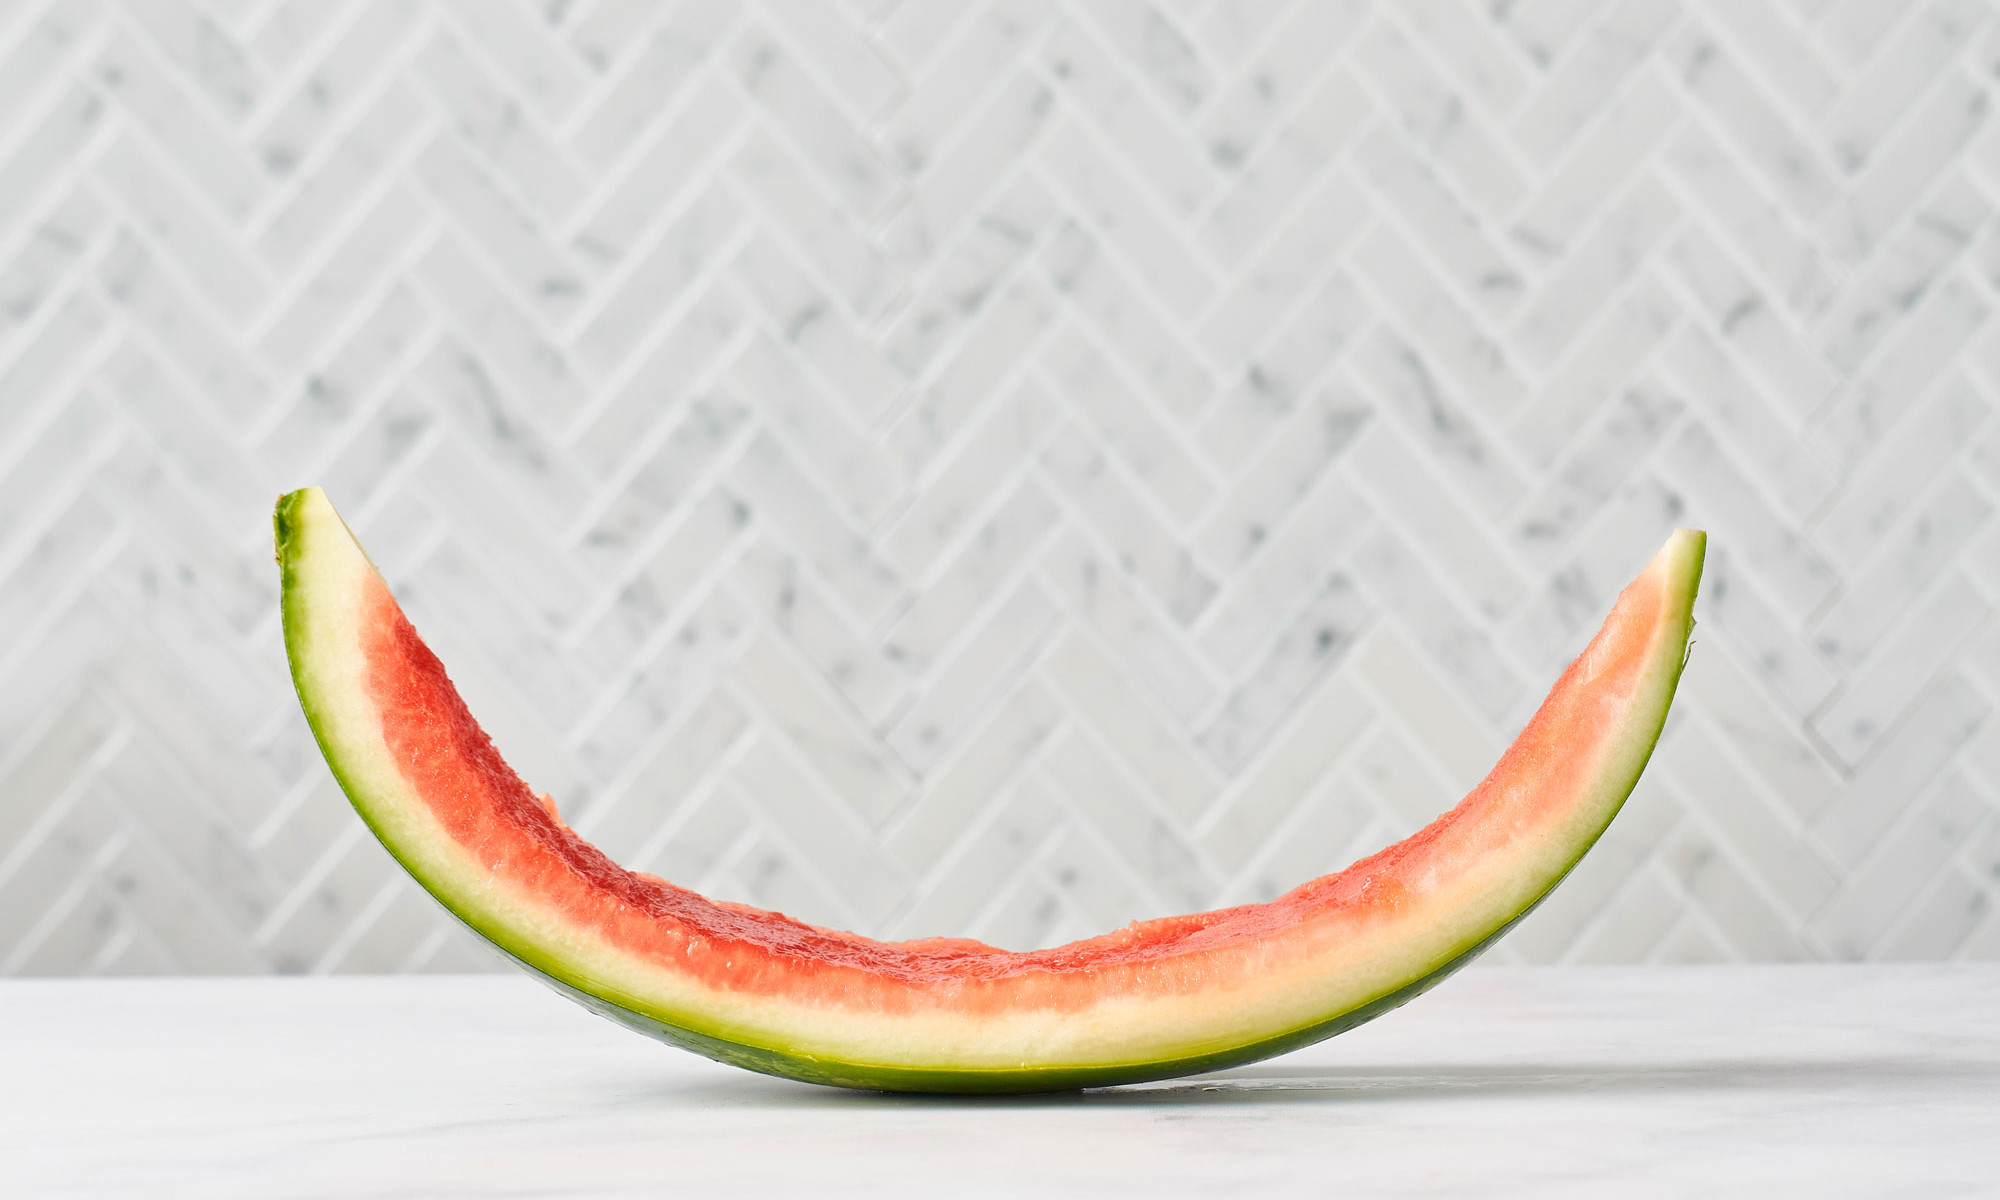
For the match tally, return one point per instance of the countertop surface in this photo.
(1809, 1081)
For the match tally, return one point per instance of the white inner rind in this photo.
(1292, 979)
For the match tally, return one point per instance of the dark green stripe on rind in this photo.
(291, 534)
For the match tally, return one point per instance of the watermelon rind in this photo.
(1320, 990)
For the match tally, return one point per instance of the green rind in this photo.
(790, 1063)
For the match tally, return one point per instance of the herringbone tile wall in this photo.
(1002, 468)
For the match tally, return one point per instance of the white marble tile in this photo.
(1607, 354)
(672, 475)
(853, 469)
(1241, 315)
(47, 256)
(810, 831)
(494, 125)
(1761, 31)
(1474, 50)
(828, 343)
(1917, 551)
(1453, 638)
(1738, 111)
(1756, 334)
(1001, 380)
(1132, 429)
(826, 733)
(1159, 858)
(1146, 547)
(1454, 339)
(1000, 648)
(1240, 524)
(1131, 726)
(354, 161)
(1275, 382)
(989, 360)
(784, 495)
(624, 421)
(1906, 858)
(1427, 510)
(983, 769)
(1090, 80)
(1879, 794)
(1725, 494)
(1616, 40)
(1603, 263)
(1616, 144)
(1158, 49)
(974, 577)
(1864, 412)
(316, 104)
(1856, 29)
(608, 34)
(632, 199)
(1428, 110)
(1289, 563)
(1089, 282)
(1777, 243)
(1262, 187)
(521, 47)
(1895, 175)
(1796, 668)
(1104, 599)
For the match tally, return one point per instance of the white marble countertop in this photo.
(1809, 1081)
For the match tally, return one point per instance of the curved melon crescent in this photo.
(758, 989)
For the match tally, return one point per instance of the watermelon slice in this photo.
(758, 989)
